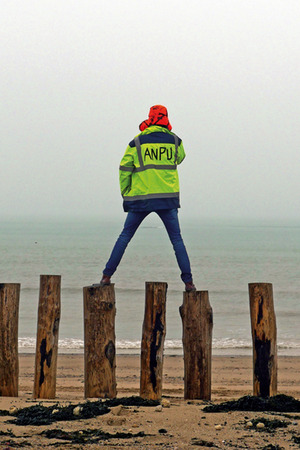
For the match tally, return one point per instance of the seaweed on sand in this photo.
(13, 444)
(272, 447)
(278, 403)
(7, 433)
(202, 443)
(270, 425)
(44, 415)
(88, 436)
(296, 439)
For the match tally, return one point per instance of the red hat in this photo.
(158, 115)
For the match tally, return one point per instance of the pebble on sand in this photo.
(77, 411)
(116, 410)
(165, 403)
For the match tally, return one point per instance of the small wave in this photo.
(27, 342)
(287, 345)
(123, 344)
(231, 343)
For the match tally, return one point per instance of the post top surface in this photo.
(3, 285)
(195, 292)
(45, 275)
(97, 286)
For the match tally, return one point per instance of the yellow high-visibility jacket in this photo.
(148, 170)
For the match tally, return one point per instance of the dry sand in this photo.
(182, 424)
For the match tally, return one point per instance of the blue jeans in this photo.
(132, 222)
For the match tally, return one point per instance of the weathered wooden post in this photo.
(197, 324)
(153, 337)
(263, 325)
(99, 341)
(47, 337)
(9, 320)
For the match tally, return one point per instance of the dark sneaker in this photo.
(105, 281)
(189, 287)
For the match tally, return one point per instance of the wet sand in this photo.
(180, 423)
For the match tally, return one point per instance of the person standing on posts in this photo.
(149, 183)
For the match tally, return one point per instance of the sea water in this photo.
(224, 259)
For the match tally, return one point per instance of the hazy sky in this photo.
(77, 77)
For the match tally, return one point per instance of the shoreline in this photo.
(228, 352)
(231, 375)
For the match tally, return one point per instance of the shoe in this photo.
(189, 287)
(105, 281)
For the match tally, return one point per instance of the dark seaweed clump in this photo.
(131, 401)
(88, 436)
(202, 443)
(296, 439)
(270, 425)
(278, 403)
(272, 447)
(7, 433)
(42, 415)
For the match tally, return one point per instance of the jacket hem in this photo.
(151, 204)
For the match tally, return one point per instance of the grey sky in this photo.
(77, 78)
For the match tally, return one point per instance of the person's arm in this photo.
(180, 154)
(125, 171)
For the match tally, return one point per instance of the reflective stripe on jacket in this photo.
(148, 171)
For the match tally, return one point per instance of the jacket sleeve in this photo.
(125, 171)
(181, 153)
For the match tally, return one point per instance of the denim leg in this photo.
(132, 222)
(171, 223)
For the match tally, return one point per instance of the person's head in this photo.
(158, 115)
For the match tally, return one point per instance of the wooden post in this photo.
(153, 337)
(197, 322)
(9, 319)
(263, 325)
(47, 337)
(99, 341)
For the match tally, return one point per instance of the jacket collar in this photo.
(155, 129)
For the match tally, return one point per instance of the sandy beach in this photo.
(179, 423)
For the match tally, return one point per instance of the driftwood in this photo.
(263, 325)
(153, 336)
(47, 337)
(99, 342)
(9, 319)
(197, 322)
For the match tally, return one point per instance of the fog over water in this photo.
(77, 78)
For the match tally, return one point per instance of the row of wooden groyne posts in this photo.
(99, 340)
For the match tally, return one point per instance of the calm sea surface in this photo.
(224, 258)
